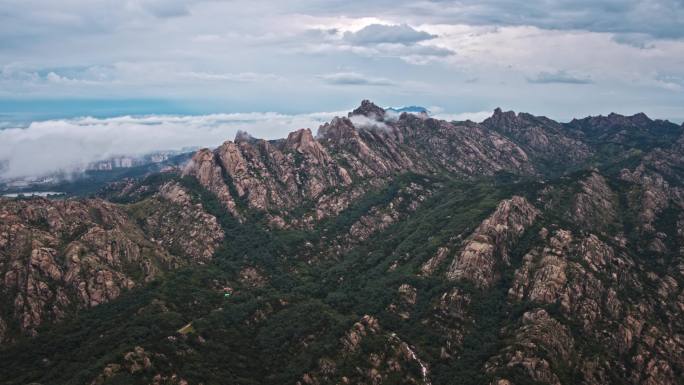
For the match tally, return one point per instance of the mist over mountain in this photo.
(191, 192)
(53, 146)
(384, 248)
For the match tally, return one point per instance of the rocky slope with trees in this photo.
(384, 249)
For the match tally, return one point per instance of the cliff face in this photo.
(545, 140)
(588, 279)
(384, 249)
(637, 130)
(174, 222)
(609, 298)
(57, 256)
(597, 308)
(362, 151)
(395, 360)
(490, 244)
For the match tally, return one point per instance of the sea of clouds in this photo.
(66, 145)
(52, 146)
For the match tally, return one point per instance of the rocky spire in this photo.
(502, 120)
(369, 109)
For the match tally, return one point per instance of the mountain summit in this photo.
(368, 109)
(381, 250)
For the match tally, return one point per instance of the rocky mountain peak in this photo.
(638, 118)
(337, 130)
(369, 109)
(637, 130)
(303, 142)
(300, 140)
(544, 139)
(496, 253)
(502, 119)
(641, 119)
(498, 112)
(614, 120)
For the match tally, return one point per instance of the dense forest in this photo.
(385, 291)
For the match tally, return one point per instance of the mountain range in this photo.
(389, 247)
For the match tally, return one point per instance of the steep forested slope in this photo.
(520, 251)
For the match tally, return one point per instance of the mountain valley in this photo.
(386, 248)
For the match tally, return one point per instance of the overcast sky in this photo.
(563, 59)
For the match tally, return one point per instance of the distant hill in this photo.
(410, 109)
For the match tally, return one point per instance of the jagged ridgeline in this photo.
(386, 249)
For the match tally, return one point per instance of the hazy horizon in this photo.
(63, 62)
(38, 148)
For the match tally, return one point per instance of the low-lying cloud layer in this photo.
(559, 58)
(68, 145)
(53, 146)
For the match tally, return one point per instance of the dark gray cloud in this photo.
(166, 8)
(656, 18)
(638, 40)
(353, 79)
(559, 77)
(395, 34)
(672, 82)
(380, 40)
